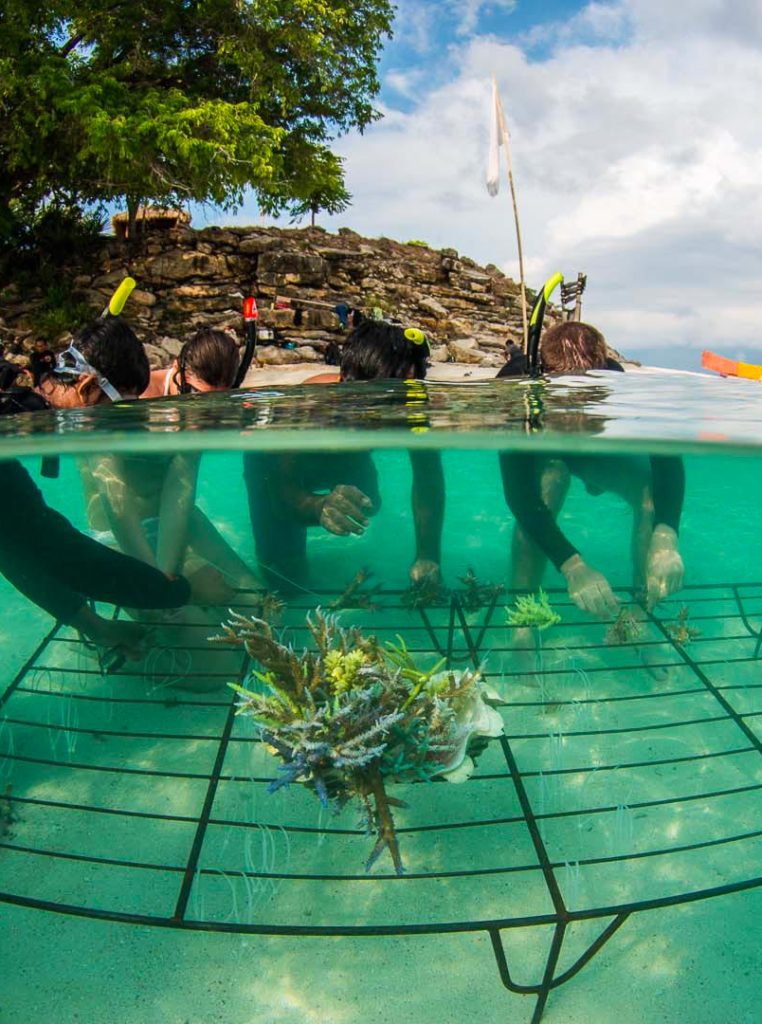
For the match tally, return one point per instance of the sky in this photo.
(636, 139)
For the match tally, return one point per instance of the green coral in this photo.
(342, 670)
(532, 610)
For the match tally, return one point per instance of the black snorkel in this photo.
(250, 317)
(534, 363)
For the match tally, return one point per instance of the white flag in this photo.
(495, 142)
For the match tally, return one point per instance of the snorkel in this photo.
(119, 298)
(250, 317)
(421, 349)
(534, 366)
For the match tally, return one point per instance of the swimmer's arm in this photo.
(109, 474)
(178, 497)
(428, 501)
(521, 486)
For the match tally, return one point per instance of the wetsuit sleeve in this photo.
(428, 501)
(521, 485)
(59, 568)
(668, 477)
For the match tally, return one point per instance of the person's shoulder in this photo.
(156, 383)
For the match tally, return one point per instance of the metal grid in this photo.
(629, 778)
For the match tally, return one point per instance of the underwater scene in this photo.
(465, 720)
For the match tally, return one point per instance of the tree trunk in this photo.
(133, 202)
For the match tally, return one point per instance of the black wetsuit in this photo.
(521, 473)
(276, 486)
(58, 568)
(282, 491)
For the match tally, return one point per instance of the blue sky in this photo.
(637, 150)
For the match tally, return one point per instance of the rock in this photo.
(271, 355)
(140, 298)
(177, 265)
(218, 237)
(464, 351)
(440, 354)
(430, 305)
(505, 287)
(291, 268)
(256, 243)
(490, 341)
(156, 357)
(171, 346)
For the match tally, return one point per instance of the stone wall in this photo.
(190, 278)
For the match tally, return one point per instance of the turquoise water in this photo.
(144, 864)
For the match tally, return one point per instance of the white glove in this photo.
(589, 589)
(664, 566)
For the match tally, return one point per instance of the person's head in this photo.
(515, 362)
(207, 362)
(380, 351)
(40, 345)
(104, 362)
(572, 347)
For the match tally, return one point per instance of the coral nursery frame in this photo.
(629, 778)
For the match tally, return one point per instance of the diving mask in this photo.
(71, 363)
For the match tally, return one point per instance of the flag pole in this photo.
(506, 145)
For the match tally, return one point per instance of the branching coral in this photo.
(349, 716)
(625, 629)
(476, 594)
(680, 631)
(536, 612)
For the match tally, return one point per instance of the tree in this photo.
(172, 100)
(320, 189)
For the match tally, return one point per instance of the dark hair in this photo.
(515, 364)
(572, 347)
(377, 350)
(113, 349)
(212, 356)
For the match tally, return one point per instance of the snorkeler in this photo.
(535, 487)
(42, 555)
(149, 501)
(208, 361)
(339, 491)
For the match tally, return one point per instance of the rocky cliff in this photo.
(190, 278)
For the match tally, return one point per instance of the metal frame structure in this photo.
(705, 689)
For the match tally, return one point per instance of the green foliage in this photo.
(175, 101)
(60, 312)
(536, 612)
(36, 239)
(419, 243)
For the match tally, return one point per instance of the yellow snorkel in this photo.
(535, 322)
(119, 298)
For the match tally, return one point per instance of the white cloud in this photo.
(470, 11)
(636, 159)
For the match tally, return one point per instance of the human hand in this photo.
(209, 587)
(589, 589)
(345, 511)
(125, 638)
(425, 573)
(664, 566)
